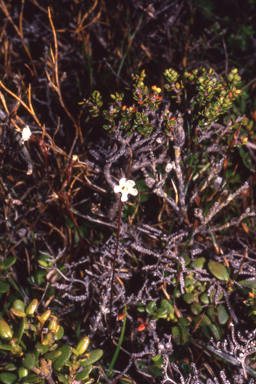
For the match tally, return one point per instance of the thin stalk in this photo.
(114, 264)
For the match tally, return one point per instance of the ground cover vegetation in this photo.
(127, 171)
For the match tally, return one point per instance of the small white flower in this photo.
(168, 167)
(125, 187)
(26, 133)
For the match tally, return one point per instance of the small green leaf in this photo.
(198, 263)
(52, 355)
(91, 357)
(5, 330)
(8, 378)
(10, 367)
(20, 330)
(205, 321)
(82, 375)
(66, 351)
(223, 315)
(18, 304)
(60, 333)
(188, 298)
(166, 304)
(248, 284)
(41, 348)
(196, 308)
(214, 331)
(83, 345)
(7, 263)
(4, 287)
(218, 270)
(31, 378)
(29, 361)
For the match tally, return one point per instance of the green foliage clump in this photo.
(35, 352)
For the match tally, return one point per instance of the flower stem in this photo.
(114, 264)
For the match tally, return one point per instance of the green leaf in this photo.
(10, 367)
(5, 330)
(4, 287)
(180, 335)
(248, 284)
(7, 263)
(41, 348)
(165, 304)
(60, 333)
(82, 375)
(32, 378)
(18, 304)
(196, 308)
(20, 330)
(223, 315)
(215, 332)
(205, 321)
(188, 298)
(29, 361)
(198, 263)
(91, 357)
(53, 354)
(204, 298)
(218, 270)
(8, 378)
(66, 351)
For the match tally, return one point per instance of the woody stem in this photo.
(114, 263)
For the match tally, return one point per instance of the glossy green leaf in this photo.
(166, 304)
(204, 298)
(29, 361)
(83, 345)
(183, 322)
(91, 357)
(41, 348)
(31, 378)
(82, 375)
(4, 287)
(17, 312)
(218, 270)
(196, 308)
(223, 315)
(214, 332)
(66, 351)
(10, 367)
(162, 312)
(22, 372)
(32, 307)
(60, 333)
(198, 263)
(248, 284)
(188, 298)
(52, 355)
(5, 347)
(20, 330)
(18, 304)
(63, 378)
(205, 321)
(5, 331)
(180, 335)
(211, 313)
(8, 378)
(7, 263)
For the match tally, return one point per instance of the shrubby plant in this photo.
(34, 351)
(158, 280)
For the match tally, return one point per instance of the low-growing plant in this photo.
(35, 353)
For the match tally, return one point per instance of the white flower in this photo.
(26, 133)
(125, 187)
